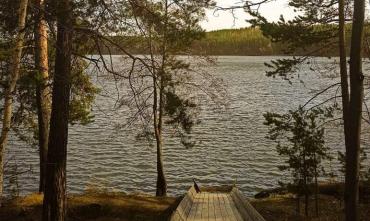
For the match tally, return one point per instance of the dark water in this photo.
(231, 145)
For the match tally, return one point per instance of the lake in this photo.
(230, 144)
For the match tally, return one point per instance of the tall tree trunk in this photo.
(161, 179)
(42, 87)
(54, 207)
(343, 73)
(161, 189)
(9, 91)
(343, 68)
(355, 114)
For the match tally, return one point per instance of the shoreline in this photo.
(113, 206)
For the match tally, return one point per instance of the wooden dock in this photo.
(220, 206)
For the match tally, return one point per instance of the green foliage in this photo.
(246, 41)
(83, 93)
(300, 138)
(166, 29)
(8, 16)
(181, 112)
(284, 67)
(312, 32)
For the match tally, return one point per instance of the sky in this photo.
(224, 19)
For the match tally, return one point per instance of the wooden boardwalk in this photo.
(218, 206)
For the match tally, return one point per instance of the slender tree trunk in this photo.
(343, 68)
(355, 114)
(54, 207)
(10, 90)
(42, 87)
(161, 179)
(161, 189)
(316, 192)
(343, 73)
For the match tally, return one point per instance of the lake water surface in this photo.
(231, 145)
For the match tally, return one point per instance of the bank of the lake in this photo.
(108, 206)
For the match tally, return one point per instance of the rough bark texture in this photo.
(161, 179)
(54, 207)
(9, 91)
(355, 113)
(343, 67)
(161, 189)
(42, 89)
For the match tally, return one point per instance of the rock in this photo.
(262, 194)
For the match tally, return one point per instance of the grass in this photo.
(97, 206)
(283, 207)
(105, 206)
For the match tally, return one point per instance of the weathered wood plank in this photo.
(207, 206)
(248, 212)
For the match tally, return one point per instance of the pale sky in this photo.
(224, 19)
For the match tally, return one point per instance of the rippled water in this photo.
(231, 145)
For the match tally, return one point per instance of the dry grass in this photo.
(283, 208)
(104, 206)
(94, 206)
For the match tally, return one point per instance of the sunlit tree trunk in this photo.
(54, 207)
(10, 90)
(161, 178)
(42, 87)
(355, 114)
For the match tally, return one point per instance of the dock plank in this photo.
(219, 206)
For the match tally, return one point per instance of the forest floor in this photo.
(103, 206)
(283, 208)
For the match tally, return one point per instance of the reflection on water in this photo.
(231, 145)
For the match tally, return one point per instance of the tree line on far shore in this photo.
(236, 42)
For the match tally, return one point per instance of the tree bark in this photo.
(355, 114)
(316, 192)
(10, 90)
(54, 206)
(161, 189)
(42, 88)
(161, 178)
(343, 64)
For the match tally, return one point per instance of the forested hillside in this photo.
(243, 42)
(246, 41)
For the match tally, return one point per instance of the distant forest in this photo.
(245, 41)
